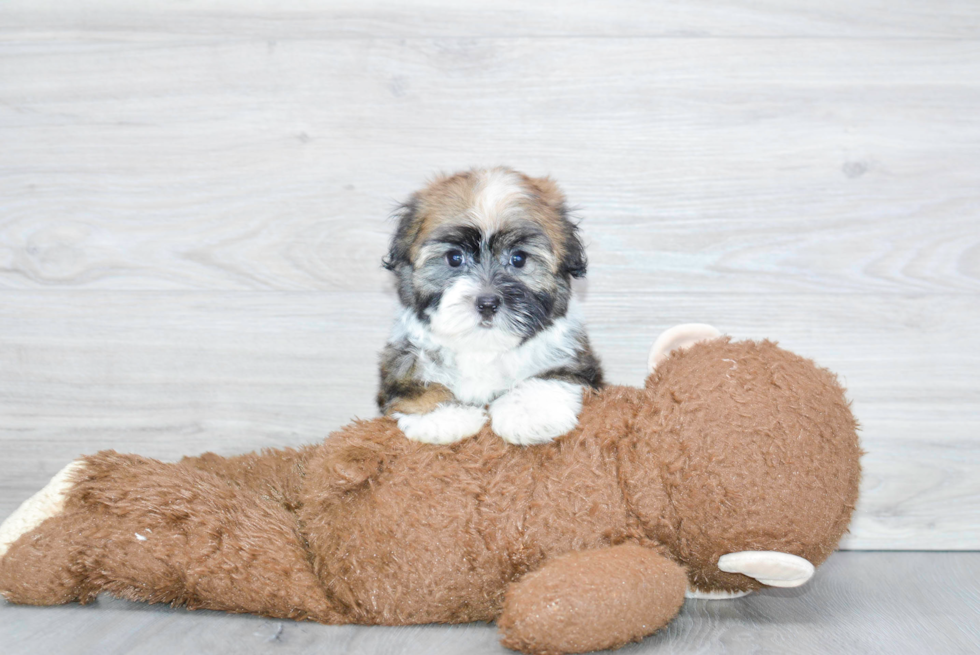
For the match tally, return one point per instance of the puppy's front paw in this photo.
(536, 411)
(447, 423)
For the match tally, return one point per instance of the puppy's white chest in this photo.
(482, 377)
(474, 377)
(486, 365)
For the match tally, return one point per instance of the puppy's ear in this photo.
(405, 233)
(574, 262)
(548, 191)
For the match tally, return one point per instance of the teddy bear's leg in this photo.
(679, 337)
(591, 600)
(276, 474)
(146, 530)
(46, 503)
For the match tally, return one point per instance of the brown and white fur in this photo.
(484, 261)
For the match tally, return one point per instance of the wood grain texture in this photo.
(750, 165)
(193, 202)
(857, 603)
(482, 18)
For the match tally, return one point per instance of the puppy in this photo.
(484, 261)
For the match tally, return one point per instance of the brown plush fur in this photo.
(575, 545)
(575, 602)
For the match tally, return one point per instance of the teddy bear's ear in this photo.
(769, 567)
(679, 337)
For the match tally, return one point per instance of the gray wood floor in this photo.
(859, 602)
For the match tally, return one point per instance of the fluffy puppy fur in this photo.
(484, 261)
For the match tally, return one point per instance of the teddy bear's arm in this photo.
(591, 600)
(157, 532)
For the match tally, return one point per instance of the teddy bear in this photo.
(736, 466)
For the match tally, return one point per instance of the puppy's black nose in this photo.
(488, 305)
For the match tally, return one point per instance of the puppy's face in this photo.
(486, 256)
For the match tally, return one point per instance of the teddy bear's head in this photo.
(742, 446)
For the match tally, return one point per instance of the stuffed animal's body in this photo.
(584, 543)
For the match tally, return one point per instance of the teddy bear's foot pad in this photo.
(769, 567)
(46, 503)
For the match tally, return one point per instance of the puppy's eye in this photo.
(454, 258)
(518, 259)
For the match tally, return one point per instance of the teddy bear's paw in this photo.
(46, 503)
(447, 423)
(679, 337)
(536, 411)
(769, 567)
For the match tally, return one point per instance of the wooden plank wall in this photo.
(193, 202)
